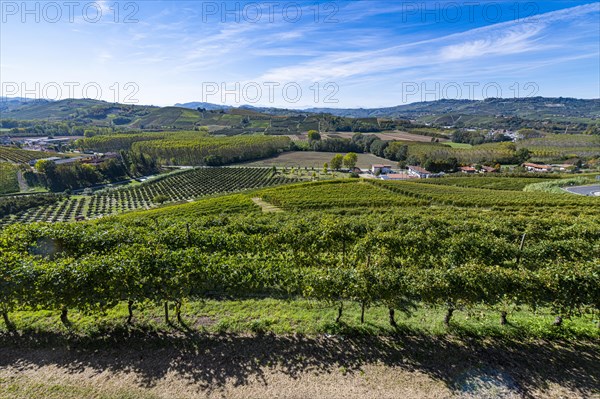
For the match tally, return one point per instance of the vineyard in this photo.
(175, 187)
(8, 178)
(553, 146)
(16, 155)
(375, 194)
(400, 259)
(488, 182)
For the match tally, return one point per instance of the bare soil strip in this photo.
(265, 206)
(191, 365)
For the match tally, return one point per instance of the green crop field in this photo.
(179, 186)
(356, 261)
(554, 146)
(485, 181)
(17, 155)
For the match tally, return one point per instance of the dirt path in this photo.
(23, 187)
(270, 366)
(265, 206)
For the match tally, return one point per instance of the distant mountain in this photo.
(537, 112)
(70, 109)
(202, 105)
(535, 108)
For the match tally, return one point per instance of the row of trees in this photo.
(348, 161)
(77, 175)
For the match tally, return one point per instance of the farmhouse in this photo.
(467, 169)
(482, 169)
(534, 167)
(381, 169)
(419, 172)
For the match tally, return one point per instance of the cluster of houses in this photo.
(385, 172)
(569, 166)
(37, 143)
(477, 169)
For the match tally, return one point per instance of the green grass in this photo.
(555, 186)
(285, 317)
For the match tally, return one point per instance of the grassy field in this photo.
(313, 159)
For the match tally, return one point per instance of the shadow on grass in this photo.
(213, 360)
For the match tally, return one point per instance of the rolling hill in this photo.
(536, 112)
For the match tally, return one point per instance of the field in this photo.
(312, 159)
(179, 186)
(390, 136)
(357, 288)
(554, 146)
(489, 182)
(17, 155)
(8, 178)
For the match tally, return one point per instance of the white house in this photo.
(381, 169)
(419, 172)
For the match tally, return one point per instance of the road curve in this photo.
(585, 190)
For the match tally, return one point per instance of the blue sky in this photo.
(300, 54)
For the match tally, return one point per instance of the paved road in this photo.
(585, 190)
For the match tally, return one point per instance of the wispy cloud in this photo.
(502, 39)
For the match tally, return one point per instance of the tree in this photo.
(350, 160)
(523, 155)
(313, 135)
(45, 166)
(336, 161)
(325, 168)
